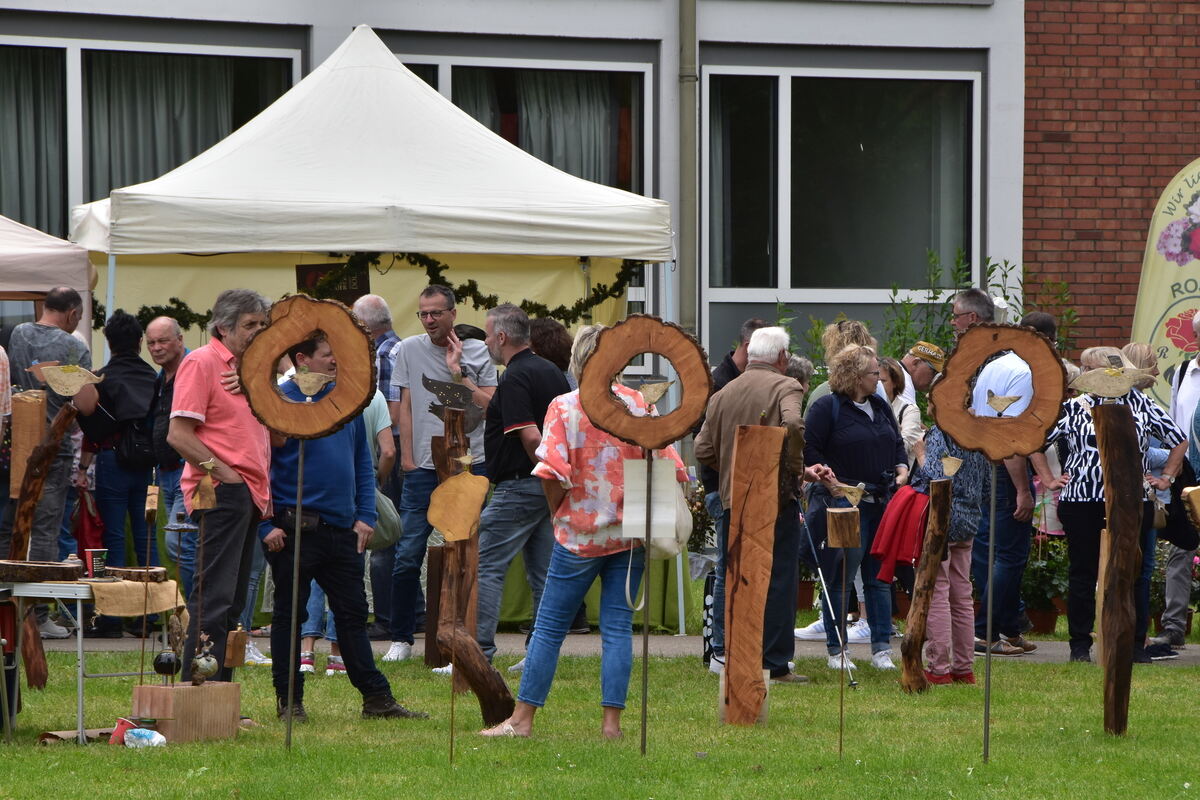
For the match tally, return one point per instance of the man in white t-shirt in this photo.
(437, 354)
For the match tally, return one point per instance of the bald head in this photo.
(164, 341)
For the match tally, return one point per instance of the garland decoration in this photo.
(435, 272)
(178, 310)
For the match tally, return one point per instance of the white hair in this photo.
(766, 344)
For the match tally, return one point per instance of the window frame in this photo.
(783, 291)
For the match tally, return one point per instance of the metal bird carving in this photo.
(453, 395)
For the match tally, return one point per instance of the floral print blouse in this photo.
(589, 464)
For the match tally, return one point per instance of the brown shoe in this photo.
(790, 677)
(1021, 642)
(1003, 648)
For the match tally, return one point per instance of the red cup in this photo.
(118, 734)
(93, 561)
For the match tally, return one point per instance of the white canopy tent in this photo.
(364, 155)
(35, 262)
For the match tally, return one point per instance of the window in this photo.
(587, 123)
(33, 175)
(880, 176)
(147, 113)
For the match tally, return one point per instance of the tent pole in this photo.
(109, 293)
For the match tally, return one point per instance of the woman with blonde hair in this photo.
(581, 470)
(836, 337)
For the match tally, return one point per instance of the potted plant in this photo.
(1045, 582)
(806, 592)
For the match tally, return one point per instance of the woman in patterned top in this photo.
(1081, 504)
(581, 470)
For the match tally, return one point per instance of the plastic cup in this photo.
(118, 734)
(94, 562)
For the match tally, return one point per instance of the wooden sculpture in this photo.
(637, 334)
(754, 506)
(28, 423)
(936, 530)
(37, 468)
(293, 319)
(1120, 458)
(994, 436)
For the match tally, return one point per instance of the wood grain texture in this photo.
(754, 497)
(644, 333)
(37, 467)
(187, 713)
(999, 437)
(1105, 555)
(912, 678)
(39, 571)
(293, 319)
(843, 527)
(28, 428)
(1121, 460)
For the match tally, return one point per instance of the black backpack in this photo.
(135, 450)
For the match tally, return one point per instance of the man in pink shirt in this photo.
(215, 427)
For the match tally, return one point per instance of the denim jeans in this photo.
(410, 551)
(317, 624)
(328, 556)
(66, 534)
(180, 531)
(1012, 553)
(712, 504)
(516, 520)
(121, 494)
(858, 561)
(567, 581)
(47, 519)
(257, 566)
(228, 536)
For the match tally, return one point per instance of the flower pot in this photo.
(1187, 628)
(900, 605)
(1060, 605)
(1043, 621)
(805, 594)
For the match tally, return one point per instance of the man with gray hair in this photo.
(214, 430)
(763, 394)
(516, 519)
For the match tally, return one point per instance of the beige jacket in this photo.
(760, 395)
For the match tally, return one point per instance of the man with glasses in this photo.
(437, 354)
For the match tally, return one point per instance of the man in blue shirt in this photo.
(336, 521)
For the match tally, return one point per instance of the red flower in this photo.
(1179, 330)
(1191, 241)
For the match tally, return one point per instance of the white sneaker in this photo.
(254, 657)
(335, 666)
(518, 667)
(858, 632)
(399, 651)
(835, 662)
(882, 660)
(716, 665)
(307, 663)
(52, 630)
(811, 633)
(446, 670)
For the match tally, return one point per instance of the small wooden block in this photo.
(187, 713)
(763, 711)
(842, 524)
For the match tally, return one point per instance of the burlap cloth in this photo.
(135, 598)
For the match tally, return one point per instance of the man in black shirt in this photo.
(517, 519)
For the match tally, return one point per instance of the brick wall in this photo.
(1112, 112)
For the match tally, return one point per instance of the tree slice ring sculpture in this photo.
(643, 333)
(1000, 437)
(292, 320)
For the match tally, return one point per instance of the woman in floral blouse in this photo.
(581, 469)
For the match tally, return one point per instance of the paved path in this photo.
(1048, 651)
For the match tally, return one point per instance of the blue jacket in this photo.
(856, 447)
(339, 472)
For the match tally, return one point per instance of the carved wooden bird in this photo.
(311, 382)
(853, 493)
(1110, 381)
(951, 465)
(1000, 402)
(67, 379)
(653, 392)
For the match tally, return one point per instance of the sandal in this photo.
(503, 729)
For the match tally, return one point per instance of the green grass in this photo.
(1047, 741)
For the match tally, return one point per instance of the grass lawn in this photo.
(1047, 741)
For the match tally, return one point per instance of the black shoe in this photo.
(1083, 655)
(525, 627)
(1160, 652)
(580, 629)
(1141, 657)
(384, 706)
(378, 633)
(298, 712)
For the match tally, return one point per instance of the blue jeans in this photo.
(318, 624)
(257, 565)
(180, 531)
(567, 581)
(712, 504)
(67, 543)
(410, 551)
(121, 493)
(516, 520)
(858, 560)
(1012, 553)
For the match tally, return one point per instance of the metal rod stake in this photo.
(987, 658)
(646, 596)
(293, 631)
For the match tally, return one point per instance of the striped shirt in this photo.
(1075, 427)
(386, 347)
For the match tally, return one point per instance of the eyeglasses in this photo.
(435, 314)
(961, 314)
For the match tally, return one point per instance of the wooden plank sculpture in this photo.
(615, 347)
(458, 507)
(1120, 457)
(28, 428)
(37, 468)
(995, 436)
(754, 506)
(912, 679)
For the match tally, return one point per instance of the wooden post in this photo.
(1120, 458)
(754, 491)
(1101, 574)
(936, 531)
(37, 468)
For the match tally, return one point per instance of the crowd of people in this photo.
(557, 493)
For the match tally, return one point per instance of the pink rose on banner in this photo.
(1191, 241)
(1171, 242)
(1179, 330)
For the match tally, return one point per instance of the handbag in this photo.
(135, 449)
(669, 548)
(1178, 529)
(387, 525)
(87, 525)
